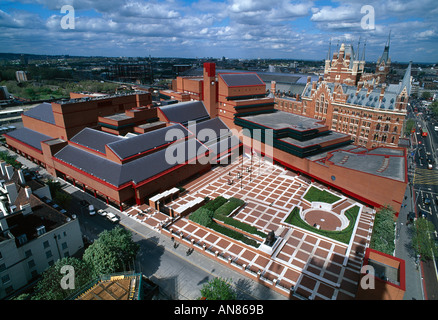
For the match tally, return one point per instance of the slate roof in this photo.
(241, 79)
(361, 98)
(95, 139)
(30, 137)
(184, 112)
(141, 143)
(42, 112)
(204, 130)
(137, 170)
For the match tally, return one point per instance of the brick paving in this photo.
(316, 267)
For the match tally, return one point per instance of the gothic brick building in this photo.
(351, 101)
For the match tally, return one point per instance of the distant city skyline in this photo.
(239, 29)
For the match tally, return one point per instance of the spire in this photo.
(385, 55)
(406, 82)
(328, 53)
(363, 52)
(357, 53)
(389, 39)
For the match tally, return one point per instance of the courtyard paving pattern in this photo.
(303, 264)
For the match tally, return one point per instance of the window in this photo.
(49, 254)
(6, 279)
(2, 267)
(22, 239)
(46, 244)
(64, 245)
(28, 253)
(31, 264)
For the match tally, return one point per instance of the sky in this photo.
(243, 29)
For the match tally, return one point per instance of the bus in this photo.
(424, 133)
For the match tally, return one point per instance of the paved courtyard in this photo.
(314, 266)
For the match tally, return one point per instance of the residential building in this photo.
(35, 232)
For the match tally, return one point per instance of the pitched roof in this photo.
(184, 112)
(128, 147)
(95, 139)
(41, 112)
(241, 79)
(29, 137)
(137, 170)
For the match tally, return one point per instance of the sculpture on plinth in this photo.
(270, 239)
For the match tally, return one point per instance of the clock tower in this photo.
(384, 63)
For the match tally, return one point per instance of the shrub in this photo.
(213, 205)
(233, 234)
(342, 235)
(202, 216)
(228, 207)
(383, 236)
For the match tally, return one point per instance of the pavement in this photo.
(179, 276)
(405, 251)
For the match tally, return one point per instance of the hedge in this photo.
(233, 234)
(213, 205)
(342, 235)
(225, 209)
(202, 216)
(383, 236)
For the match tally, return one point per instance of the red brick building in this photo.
(353, 102)
(304, 139)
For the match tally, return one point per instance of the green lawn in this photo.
(315, 194)
(342, 236)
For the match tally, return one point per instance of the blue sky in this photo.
(212, 28)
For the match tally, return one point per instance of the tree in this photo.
(426, 95)
(410, 123)
(422, 240)
(218, 289)
(383, 236)
(49, 287)
(62, 198)
(111, 252)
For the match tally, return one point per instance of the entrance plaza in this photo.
(302, 264)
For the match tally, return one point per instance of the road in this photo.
(178, 275)
(424, 174)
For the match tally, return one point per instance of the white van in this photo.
(91, 210)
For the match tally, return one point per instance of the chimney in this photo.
(11, 189)
(27, 209)
(9, 171)
(273, 87)
(28, 191)
(3, 167)
(21, 176)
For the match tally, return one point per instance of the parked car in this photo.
(423, 214)
(91, 210)
(112, 217)
(426, 201)
(102, 212)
